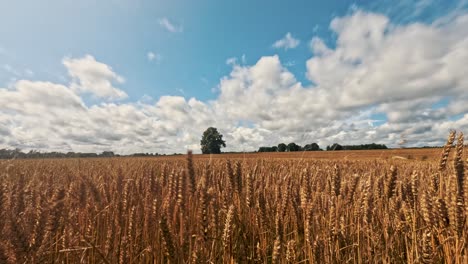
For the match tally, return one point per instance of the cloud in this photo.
(33, 98)
(169, 26)
(151, 56)
(93, 77)
(9, 69)
(231, 61)
(290, 64)
(410, 77)
(421, 5)
(288, 42)
(376, 62)
(234, 60)
(29, 72)
(399, 71)
(243, 59)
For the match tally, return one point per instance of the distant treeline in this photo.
(18, 154)
(291, 147)
(357, 147)
(315, 147)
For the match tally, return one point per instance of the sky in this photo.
(150, 76)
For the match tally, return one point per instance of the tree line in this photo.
(291, 147)
(211, 143)
(33, 154)
(357, 147)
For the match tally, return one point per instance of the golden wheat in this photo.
(260, 209)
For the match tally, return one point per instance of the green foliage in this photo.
(335, 146)
(268, 149)
(290, 147)
(212, 141)
(282, 147)
(293, 147)
(311, 147)
(365, 146)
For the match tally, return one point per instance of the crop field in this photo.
(392, 206)
(389, 154)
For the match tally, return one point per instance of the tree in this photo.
(335, 146)
(268, 149)
(282, 147)
(212, 141)
(293, 147)
(264, 149)
(311, 147)
(107, 154)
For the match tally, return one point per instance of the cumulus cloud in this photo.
(47, 116)
(399, 71)
(376, 62)
(403, 70)
(380, 82)
(287, 42)
(170, 26)
(93, 77)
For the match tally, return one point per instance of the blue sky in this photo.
(121, 33)
(183, 48)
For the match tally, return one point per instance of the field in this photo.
(392, 206)
(412, 154)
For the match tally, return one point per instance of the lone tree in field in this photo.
(212, 141)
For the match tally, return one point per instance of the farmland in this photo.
(390, 206)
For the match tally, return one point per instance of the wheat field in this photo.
(193, 209)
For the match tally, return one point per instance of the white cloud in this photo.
(375, 68)
(290, 64)
(316, 28)
(234, 60)
(9, 69)
(29, 72)
(170, 26)
(231, 61)
(151, 56)
(375, 62)
(243, 59)
(17, 73)
(288, 42)
(33, 98)
(146, 99)
(421, 5)
(93, 77)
